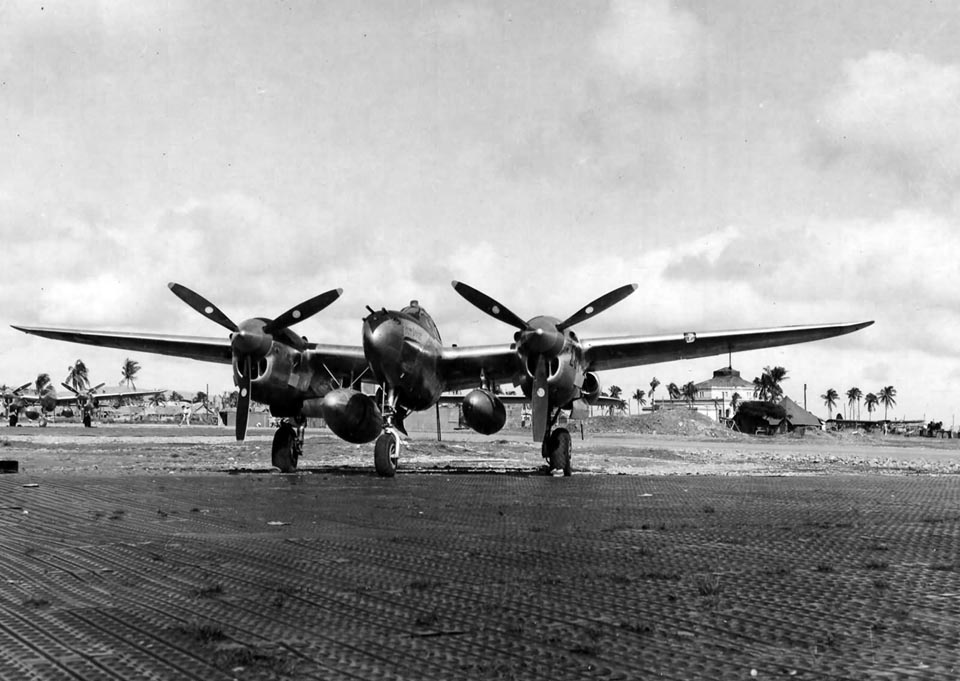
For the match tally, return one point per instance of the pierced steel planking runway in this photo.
(327, 575)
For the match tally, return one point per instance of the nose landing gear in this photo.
(386, 451)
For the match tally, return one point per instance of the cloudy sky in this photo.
(747, 163)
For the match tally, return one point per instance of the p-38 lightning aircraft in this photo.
(403, 356)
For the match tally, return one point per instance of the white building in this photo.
(713, 395)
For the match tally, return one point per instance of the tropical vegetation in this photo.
(871, 401)
(78, 377)
(653, 387)
(886, 398)
(854, 395)
(129, 371)
(639, 397)
(830, 401)
(766, 387)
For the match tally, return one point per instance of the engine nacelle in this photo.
(590, 390)
(483, 412)
(352, 416)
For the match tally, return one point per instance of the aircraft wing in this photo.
(125, 393)
(602, 354)
(192, 347)
(339, 359)
(463, 367)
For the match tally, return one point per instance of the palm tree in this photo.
(871, 401)
(673, 391)
(886, 399)
(853, 396)
(176, 397)
(157, 400)
(129, 371)
(830, 400)
(653, 387)
(78, 377)
(689, 392)
(638, 397)
(767, 386)
(43, 384)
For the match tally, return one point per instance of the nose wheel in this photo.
(386, 453)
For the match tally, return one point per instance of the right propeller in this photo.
(541, 338)
(251, 339)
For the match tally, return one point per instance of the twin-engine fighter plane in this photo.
(403, 355)
(89, 399)
(13, 403)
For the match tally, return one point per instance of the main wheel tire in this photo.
(285, 451)
(14, 417)
(386, 455)
(557, 446)
(87, 421)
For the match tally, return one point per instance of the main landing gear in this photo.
(288, 444)
(556, 448)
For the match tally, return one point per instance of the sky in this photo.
(747, 163)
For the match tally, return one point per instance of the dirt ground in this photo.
(168, 553)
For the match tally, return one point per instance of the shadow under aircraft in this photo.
(410, 369)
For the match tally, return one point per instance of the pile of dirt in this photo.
(684, 422)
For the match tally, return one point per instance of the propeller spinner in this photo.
(542, 337)
(251, 339)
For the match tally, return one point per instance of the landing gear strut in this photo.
(386, 451)
(556, 447)
(288, 445)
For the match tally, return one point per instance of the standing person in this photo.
(185, 415)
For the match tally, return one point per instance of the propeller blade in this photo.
(487, 304)
(297, 314)
(22, 387)
(540, 402)
(597, 306)
(97, 387)
(71, 388)
(243, 402)
(202, 305)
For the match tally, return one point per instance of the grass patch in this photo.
(824, 567)
(876, 564)
(708, 585)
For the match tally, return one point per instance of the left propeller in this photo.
(251, 339)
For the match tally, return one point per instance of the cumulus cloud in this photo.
(895, 270)
(899, 113)
(654, 45)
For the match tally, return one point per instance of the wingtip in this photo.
(455, 283)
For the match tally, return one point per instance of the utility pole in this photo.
(805, 397)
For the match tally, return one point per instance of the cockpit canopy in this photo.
(418, 313)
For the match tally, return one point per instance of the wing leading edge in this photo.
(603, 354)
(192, 347)
(340, 359)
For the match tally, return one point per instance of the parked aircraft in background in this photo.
(37, 407)
(403, 357)
(13, 403)
(88, 400)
